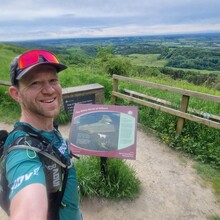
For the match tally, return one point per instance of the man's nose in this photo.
(48, 88)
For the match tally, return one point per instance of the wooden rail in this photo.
(5, 83)
(165, 102)
(183, 108)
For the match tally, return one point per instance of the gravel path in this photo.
(171, 189)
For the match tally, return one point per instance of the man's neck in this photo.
(38, 122)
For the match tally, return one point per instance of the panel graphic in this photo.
(104, 130)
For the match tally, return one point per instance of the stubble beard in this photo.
(38, 110)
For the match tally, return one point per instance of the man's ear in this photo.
(14, 93)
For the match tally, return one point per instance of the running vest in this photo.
(56, 167)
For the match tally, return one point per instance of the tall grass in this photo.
(76, 76)
(120, 181)
(10, 110)
(7, 53)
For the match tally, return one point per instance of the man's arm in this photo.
(30, 203)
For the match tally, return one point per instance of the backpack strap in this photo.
(3, 137)
(37, 150)
(58, 196)
(46, 143)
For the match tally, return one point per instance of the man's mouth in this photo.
(48, 100)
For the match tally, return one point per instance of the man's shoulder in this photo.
(14, 134)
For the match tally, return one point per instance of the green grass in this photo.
(5, 59)
(197, 70)
(10, 110)
(210, 176)
(7, 53)
(215, 217)
(150, 60)
(167, 80)
(120, 182)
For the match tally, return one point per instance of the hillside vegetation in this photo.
(96, 61)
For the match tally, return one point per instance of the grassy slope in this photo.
(150, 60)
(5, 58)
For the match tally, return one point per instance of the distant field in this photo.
(196, 70)
(147, 60)
(151, 60)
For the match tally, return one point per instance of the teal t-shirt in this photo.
(23, 167)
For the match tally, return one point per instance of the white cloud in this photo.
(29, 19)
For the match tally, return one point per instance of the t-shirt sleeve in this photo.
(23, 167)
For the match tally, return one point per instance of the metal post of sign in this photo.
(103, 166)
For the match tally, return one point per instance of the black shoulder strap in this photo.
(3, 137)
(32, 133)
(46, 143)
(57, 199)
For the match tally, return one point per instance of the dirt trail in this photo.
(171, 189)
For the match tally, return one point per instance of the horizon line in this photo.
(122, 36)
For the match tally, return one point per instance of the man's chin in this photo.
(51, 114)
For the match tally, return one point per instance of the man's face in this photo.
(40, 92)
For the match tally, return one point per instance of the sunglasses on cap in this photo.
(32, 57)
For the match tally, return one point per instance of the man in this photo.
(31, 177)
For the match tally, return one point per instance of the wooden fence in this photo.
(5, 83)
(182, 113)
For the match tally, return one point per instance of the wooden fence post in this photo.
(183, 108)
(115, 89)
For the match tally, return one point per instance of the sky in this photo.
(51, 19)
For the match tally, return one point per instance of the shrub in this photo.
(118, 66)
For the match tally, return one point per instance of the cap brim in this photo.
(58, 66)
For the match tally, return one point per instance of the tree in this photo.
(119, 66)
(104, 53)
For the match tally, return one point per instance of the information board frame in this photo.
(104, 130)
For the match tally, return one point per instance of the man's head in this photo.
(25, 62)
(35, 85)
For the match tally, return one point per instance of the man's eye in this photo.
(36, 84)
(54, 81)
